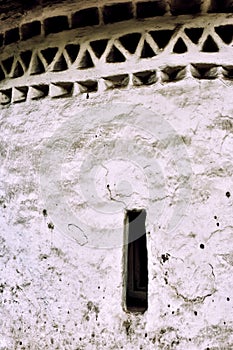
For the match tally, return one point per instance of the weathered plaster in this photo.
(59, 294)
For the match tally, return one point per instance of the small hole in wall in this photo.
(228, 299)
(50, 225)
(195, 313)
(215, 217)
(228, 194)
(45, 212)
(217, 224)
(202, 246)
(117, 12)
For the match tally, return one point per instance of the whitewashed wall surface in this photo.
(107, 107)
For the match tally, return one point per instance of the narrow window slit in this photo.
(136, 271)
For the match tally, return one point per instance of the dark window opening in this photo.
(136, 258)
(117, 12)
(31, 29)
(55, 24)
(221, 6)
(86, 17)
(179, 7)
(151, 9)
(11, 36)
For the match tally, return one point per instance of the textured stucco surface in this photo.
(61, 293)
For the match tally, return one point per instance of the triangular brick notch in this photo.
(225, 33)
(180, 46)
(86, 61)
(204, 71)
(161, 37)
(72, 51)
(38, 91)
(194, 34)
(99, 47)
(147, 51)
(228, 72)
(144, 78)
(115, 56)
(18, 71)
(117, 81)
(37, 66)
(2, 75)
(19, 94)
(49, 54)
(5, 96)
(210, 45)
(61, 89)
(130, 41)
(7, 64)
(170, 74)
(88, 86)
(60, 64)
(26, 58)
